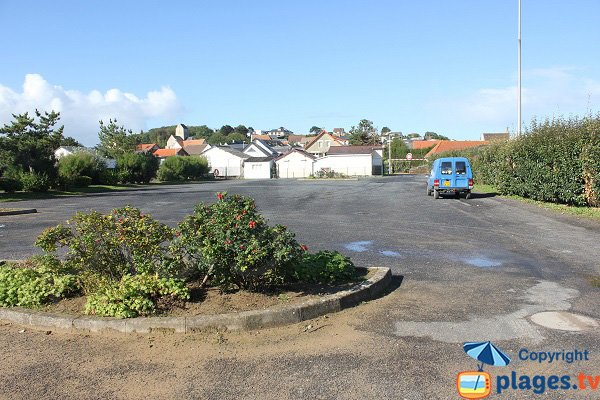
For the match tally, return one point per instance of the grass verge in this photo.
(592, 213)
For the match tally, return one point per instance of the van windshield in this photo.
(461, 168)
(446, 168)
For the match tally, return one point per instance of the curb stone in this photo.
(19, 212)
(241, 321)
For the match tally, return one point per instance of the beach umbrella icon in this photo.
(486, 353)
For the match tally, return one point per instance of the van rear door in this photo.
(446, 175)
(461, 179)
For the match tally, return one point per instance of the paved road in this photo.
(472, 270)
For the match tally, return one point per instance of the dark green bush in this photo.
(80, 164)
(81, 181)
(324, 267)
(179, 168)
(137, 167)
(554, 161)
(35, 182)
(108, 177)
(10, 185)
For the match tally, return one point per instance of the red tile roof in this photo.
(423, 144)
(144, 146)
(447, 145)
(261, 137)
(194, 142)
(170, 152)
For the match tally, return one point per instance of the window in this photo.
(447, 168)
(461, 168)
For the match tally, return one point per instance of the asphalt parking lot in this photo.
(466, 270)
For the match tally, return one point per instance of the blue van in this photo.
(450, 175)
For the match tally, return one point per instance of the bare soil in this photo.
(211, 301)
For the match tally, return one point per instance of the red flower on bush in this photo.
(228, 242)
(220, 196)
(242, 246)
(304, 247)
(252, 224)
(177, 233)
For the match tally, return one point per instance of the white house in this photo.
(63, 151)
(225, 161)
(296, 163)
(258, 168)
(352, 160)
(259, 148)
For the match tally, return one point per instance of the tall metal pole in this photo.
(519, 123)
(390, 153)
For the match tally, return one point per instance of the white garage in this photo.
(296, 163)
(225, 161)
(352, 160)
(258, 168)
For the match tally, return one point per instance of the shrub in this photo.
(80, 164)
(10, 185)
(81, 181)
(232, 243)
(133, 296)
(137, 167)
(126, 241)
(108, 177)
(555, 161)
(35, 182)
(179, 168)
(31, 287)
(324, 267)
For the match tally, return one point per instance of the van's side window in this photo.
(461, 168)
(446, 168)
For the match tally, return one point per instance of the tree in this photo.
(315, 129)
(385, 130)
(201, 132)
(364, 133)
(241, 129)
(115, 140)
(69, 141)
(236, 138)
(216, 139)
(29, 146)
(226, 130)
(434, 136)
(399, 148)
(137, 167)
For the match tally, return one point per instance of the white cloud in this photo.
(546, 93)
(80, 112)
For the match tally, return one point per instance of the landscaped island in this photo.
(126, 264)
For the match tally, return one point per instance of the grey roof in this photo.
(195, 149)
(229, 150)
(259, 159)
(352, 149)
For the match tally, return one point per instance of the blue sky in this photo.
(414, 66)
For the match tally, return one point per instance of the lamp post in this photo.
(519, 75)
(390, 153)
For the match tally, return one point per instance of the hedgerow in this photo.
(556, 161)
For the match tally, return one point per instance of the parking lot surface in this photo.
(465, 270)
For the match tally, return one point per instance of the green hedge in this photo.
(177, 168)
(554, 161)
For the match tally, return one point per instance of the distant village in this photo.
(280, 153)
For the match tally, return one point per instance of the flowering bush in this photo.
(231, 243)
(123, 242)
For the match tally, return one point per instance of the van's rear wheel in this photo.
(436, 194)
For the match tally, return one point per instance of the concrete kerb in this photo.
(18, 212)
(242, 321)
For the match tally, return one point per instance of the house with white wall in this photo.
(225, 161)
(63, 151)
(296, 163)
(320, 145)
(259, 148)
(352, 160)
(258, 168)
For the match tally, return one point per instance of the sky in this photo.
(448, 66)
